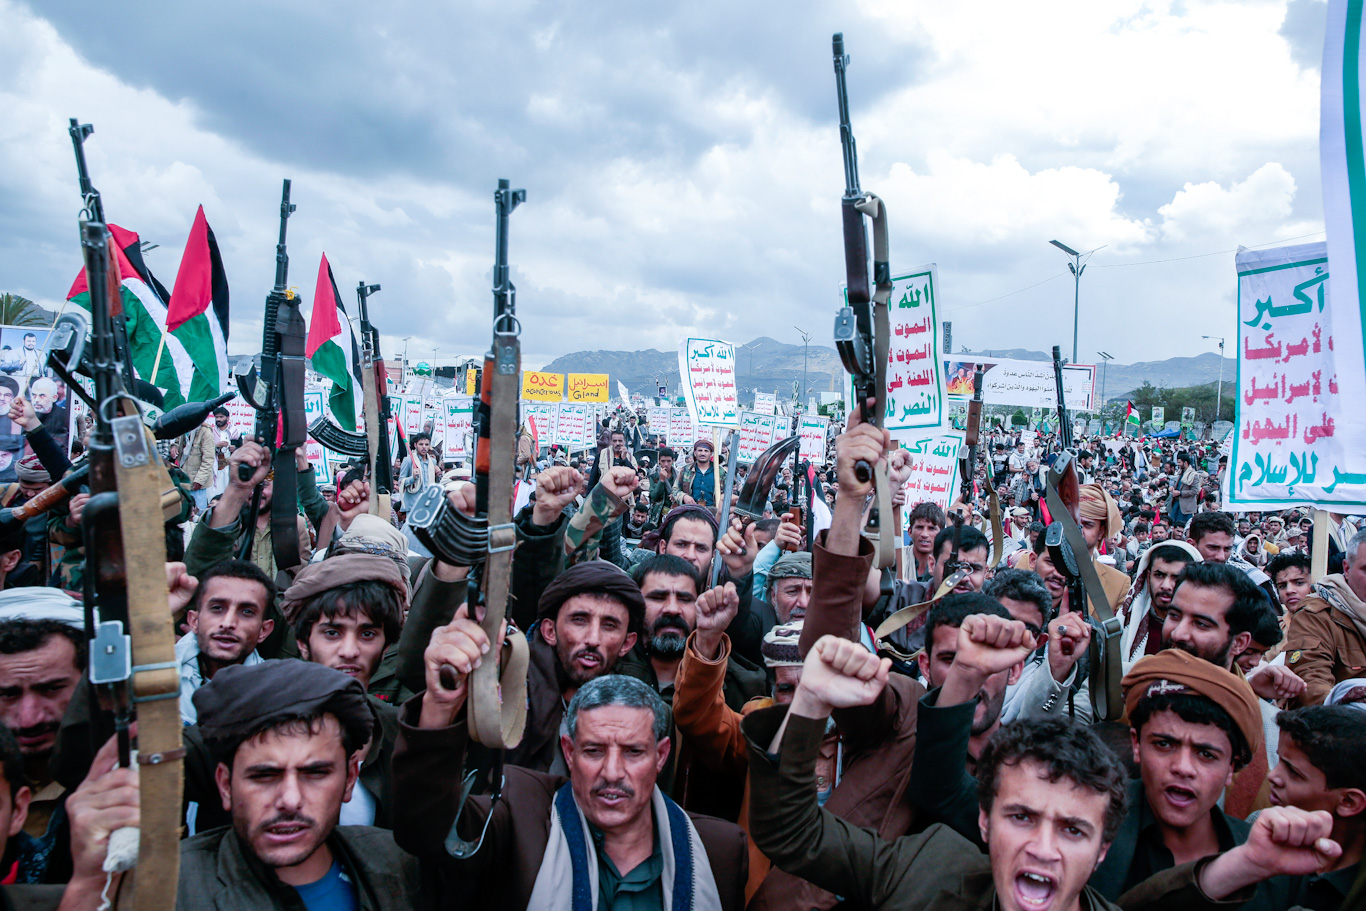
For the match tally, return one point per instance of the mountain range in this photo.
(768, 365)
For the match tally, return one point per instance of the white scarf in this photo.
(568, 878)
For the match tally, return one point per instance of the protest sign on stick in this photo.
(707, 367)
(457, 426)
(572, 426)
(934, 468)
(915, 372)
(542, 387)
(812, 431)
(587, 387)
(757, 433)
(765, 402)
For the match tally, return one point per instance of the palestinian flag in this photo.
(202, 286)
(1131, 415)
(332, 349)
(145, 314)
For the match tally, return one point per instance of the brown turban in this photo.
(1099, 505)
(597, 577)
(338, 570)
(242, 700)
(1174, 672)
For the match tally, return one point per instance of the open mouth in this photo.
(351, 670)
(1034, 890)
(228, 641)
(1177, 796)
(612, 797)
(285, 832)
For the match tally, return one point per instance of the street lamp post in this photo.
(1076, 267)
(1104, 372)
(1219, 392)
(806, 347)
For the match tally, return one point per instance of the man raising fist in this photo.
(1052, 799)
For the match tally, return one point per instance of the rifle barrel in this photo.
(846, 128)
(281, 253)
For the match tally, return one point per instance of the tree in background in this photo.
(16, 310)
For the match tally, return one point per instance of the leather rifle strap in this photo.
(997, 528)
(370, 404)
(904, 616)
(876, 210)
(497, 709)
(1107, 700)
(284, 511)
(155, 683)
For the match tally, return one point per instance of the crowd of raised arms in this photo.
(710, 720)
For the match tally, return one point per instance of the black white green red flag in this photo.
(332, 349)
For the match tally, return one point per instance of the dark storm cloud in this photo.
(452, 94)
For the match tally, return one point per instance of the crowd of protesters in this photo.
(743, 743)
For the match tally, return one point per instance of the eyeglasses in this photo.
(972, 568)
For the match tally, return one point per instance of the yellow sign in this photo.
(588, 387)
(542, 387)
(470, 387)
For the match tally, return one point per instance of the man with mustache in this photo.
(288, 736)
(41, 664)
(604, 836)
(227, 620)
(1145, 609)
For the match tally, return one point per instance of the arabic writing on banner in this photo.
(587, 387)
(915, 374)
(542, 387)
(572, 426)
(934, 469)
(657, 419)
(682, 432)
(241, 417)
(313, 409)
(708, 370)
(471, 386)
(765, 402)
(457, 426)
(542, 416)
(812, 432)
(757, 433)
(1026, 384)
(1340, 479)
(1295, 441)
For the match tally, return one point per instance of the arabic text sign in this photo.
(757, 433)
(1296, 440)
(571, 426)
(915, 377)
(708, 370)
(542, 416)
(457, 426)
(934, 469)
(313, 409)
(587, 387)
(542, 387)
(765, 402)
(1342, 478)
(1026, 384)
(682, 433)
(657, 417)
(812, 433)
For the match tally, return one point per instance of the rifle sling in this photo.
(155, 683)
(883, 534)
(904, 616)
(497, 707)
(997, 528)
(284, 511)
(1107, 700)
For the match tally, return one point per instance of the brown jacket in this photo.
(1323, 647)
(428, 766)
(201, 457)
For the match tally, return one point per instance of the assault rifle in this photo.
(1071, 556)
(862, 330)
(277, 395)
(132, 667)
(496, 707)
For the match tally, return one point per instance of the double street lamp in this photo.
(1076, 267)
(1107, 357)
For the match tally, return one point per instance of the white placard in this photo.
(812, 431)
(707, 367)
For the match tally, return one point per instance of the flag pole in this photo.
(156, 364)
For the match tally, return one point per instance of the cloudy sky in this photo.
(682, 161)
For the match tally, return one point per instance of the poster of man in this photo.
(25, 374)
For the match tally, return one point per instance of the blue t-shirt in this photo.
(334, 892)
